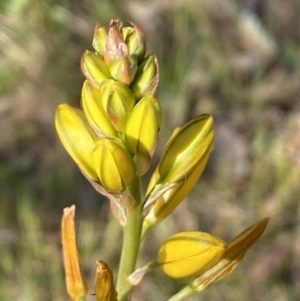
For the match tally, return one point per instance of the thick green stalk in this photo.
(185, 292)
(131, 243)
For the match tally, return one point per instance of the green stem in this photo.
(131, 243)
(185, 292)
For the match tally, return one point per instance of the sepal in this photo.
(117, 101)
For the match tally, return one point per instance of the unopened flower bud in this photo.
(188, 254)
(96, 115)
(99, 40)
(114, 166)
(186, 149)
(76, 136)
(135, 40)
(94, 68)
(147, 77)
(104, 287)
(121, 66)
(117, 101)
(142, 127)
(168, 202)
(75, 279)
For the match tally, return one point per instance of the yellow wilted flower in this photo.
(104, 286)
(233, 254)
(187, 254)
(75, 279)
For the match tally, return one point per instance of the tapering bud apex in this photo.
(96, 115)
(76, 136)
(116, 56)
(117, 101)
(146, 78)
(104, 286)
(114, 166)
(187, 254)
(75, 279)
(141, 130)
(94, 68)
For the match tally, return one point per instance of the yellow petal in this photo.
(189, 253)
(76, 136)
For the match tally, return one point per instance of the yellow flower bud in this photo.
(135, 40)
(114, 166)
(186, 149)
(95, 113)
(188, 254)
(75, 279)
(94, 68)
(117, 101)
(99, 40)
(104, 287)
(76, 136)
(142, 126)
(146, 78)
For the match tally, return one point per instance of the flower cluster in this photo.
(112, 138)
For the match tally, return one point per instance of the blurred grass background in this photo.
(238, 60)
